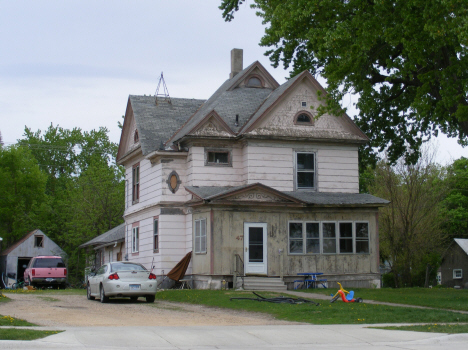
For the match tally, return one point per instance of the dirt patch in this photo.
(76, 310)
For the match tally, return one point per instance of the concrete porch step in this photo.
(264, 283)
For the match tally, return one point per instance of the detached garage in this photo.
(13, 260)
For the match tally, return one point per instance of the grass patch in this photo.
(68, 291)
(3, 298)
(11, 321)
(336, 313)
(24, 334)
(431, 328)
(442, 298)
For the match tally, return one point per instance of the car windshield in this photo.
(127, 267)
(49, 262)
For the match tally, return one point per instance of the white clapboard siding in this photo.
(271, 166)
(200, 175)
(338, 169)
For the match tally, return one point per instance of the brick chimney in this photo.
(237, 62)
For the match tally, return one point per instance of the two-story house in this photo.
(250, 181)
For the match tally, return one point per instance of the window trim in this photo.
(136, 239)
(136, 183)
(455, 271)
(337, 237)
(296, 171)
(199, 249)
(218, 150)
(250, 76)
(156, 234)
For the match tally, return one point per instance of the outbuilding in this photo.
(14, 259)
(454, 267)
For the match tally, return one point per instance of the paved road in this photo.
(272, 337)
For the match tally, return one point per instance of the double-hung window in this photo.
(328, 237)
(200, 236)
(135, 239)
(305, 170)
(136, 183)
(155, 235)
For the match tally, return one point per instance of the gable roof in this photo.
(157, 123)
(18, 243)
(229, 101)
(463, 243)
(113, 235)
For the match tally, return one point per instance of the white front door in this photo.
(255, 248)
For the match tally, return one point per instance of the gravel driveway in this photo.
(76, 310)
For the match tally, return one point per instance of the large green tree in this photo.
(22, 193)
(455, 205)
(409, 227)
(405, 59)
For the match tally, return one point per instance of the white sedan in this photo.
(121, 279)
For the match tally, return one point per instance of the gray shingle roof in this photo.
(158, 123)
(227, 103)
(113, 235)
(336, 198)
(311, 198)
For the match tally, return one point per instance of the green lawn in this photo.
(11, 321)
(24, 334)
(443, 298)
(326, 313)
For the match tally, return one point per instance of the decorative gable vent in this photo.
(136, 137)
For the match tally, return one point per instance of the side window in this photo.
(136, 183)
(101, 270)
(346, 237)
(135, 239)
(305, 170)
(329, 237)
(296, 245)
(200, 236)
(156, 235)
(457, 274)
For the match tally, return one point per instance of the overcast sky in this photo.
(74, 63)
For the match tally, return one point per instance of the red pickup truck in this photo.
(46, 271)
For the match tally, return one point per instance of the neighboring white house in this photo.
(108, 247)
(250, 181)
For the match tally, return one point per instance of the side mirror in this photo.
(25, 266)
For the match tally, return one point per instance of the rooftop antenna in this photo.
(164, 95)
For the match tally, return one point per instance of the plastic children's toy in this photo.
(347, 297)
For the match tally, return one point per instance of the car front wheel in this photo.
(104, 299)
(88, 293)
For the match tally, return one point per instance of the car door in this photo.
(96, 279)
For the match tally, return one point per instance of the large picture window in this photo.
(135, 239)
(200, 236)
(305, 170)
(328, 237)
(136, 183)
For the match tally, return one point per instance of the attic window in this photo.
(304, 118)
(304, 104)
(136, 138)
(38, 241)
(254, 81)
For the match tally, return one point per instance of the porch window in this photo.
(362, 237)
(200, 236)
(155, 236)
(457, 274)
(136, 183)
(135, 239)
(305, 170)
(38, 241)
(328, 237)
